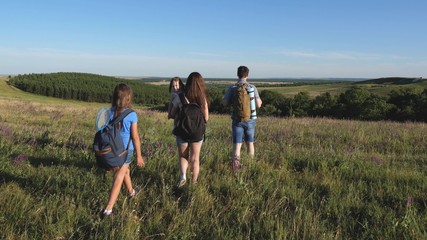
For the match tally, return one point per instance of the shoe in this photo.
(105, 213)
(134, 192)
(235, 164)
(181, 183)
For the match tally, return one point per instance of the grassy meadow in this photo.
(338, 88)
(311, 178)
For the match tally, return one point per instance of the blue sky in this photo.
(274, 38)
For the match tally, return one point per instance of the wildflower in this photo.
(377, 160)
(6, 131)
(21, 158)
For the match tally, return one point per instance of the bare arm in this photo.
(137, 144)
(206, 111)
(258, 102)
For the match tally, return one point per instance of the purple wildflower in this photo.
(377, 160)
(21, 158)
(6, 131)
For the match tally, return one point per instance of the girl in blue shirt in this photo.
(122, 98)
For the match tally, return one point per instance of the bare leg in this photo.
(119, 176)
(195, 160)
(251, 149)
(128, 181)
(236, 150)
(183, 159)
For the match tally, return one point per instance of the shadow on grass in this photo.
(9, 178)
(52, 161)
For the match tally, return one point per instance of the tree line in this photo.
(86, 87)
(405, 104)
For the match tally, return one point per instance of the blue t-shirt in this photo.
(126, 128)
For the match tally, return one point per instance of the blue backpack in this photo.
(110, 151)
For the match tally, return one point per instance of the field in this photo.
(338, 88)
(313, 90)
(310, 179)
(314, 87)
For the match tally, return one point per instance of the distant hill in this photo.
(392, 80)
(87, 87)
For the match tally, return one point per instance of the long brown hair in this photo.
(122, 98)
(195, 89)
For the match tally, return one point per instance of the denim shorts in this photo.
(182, 142)
(246, 129)
(129, 158)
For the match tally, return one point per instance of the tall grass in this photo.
(311, 179)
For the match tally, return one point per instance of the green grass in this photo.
(338, 88)
(313, 90)
(311, 179)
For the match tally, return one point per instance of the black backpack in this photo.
(108, 144)
(191, 125)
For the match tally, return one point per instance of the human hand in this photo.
(140, 162)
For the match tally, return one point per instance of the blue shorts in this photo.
(246, 129)
(129, 158)
(180, 141)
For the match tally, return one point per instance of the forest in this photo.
(87, 87)
(403, 104)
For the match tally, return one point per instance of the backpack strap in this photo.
(119, 118)
(122, 115)
(183, 98)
